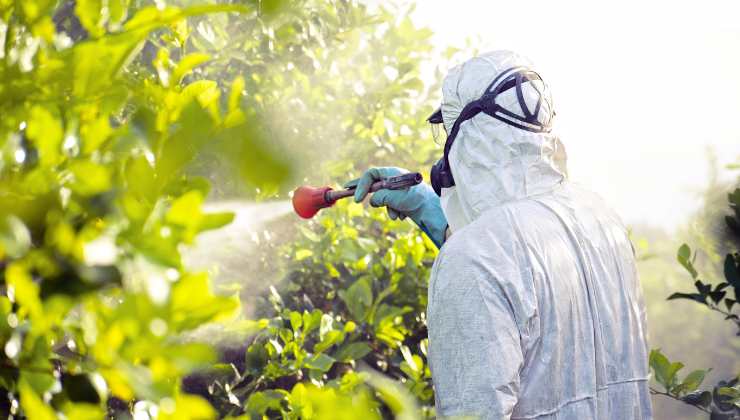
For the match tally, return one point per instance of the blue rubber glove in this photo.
(420, 203)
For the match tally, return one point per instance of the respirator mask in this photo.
(526, 119)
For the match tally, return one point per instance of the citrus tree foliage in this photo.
(352, 308)
(339, 86)
(96, 204)
(109, 108)
(350, 314)
(723, 401)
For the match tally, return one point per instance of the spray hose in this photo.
(307, 200)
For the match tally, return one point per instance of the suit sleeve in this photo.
(474, 343)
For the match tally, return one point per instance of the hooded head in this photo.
(494, 162)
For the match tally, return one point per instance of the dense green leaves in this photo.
(375, 318)
(355, 291)
(666, 373)
(110, 108)
(98, 201)
(724, 400)
(713, 296)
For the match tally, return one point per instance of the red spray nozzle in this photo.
(307, 201)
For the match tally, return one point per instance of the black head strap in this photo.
(510, 78)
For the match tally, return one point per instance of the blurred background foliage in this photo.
(131, 128)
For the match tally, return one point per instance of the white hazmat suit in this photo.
(535, 309)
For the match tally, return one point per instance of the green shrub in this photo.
(96, 203)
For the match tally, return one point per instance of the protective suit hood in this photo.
(493, 162)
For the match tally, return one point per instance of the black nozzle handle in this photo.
(398, 182)
(393, 183)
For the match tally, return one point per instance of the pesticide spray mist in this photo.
(311, 111)
(225, 253)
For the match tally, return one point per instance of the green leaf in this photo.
(256, 357)
(272, 7)
(729, 303)
(190, 407)
(309, 234)
(311, 320)
(358, 298)
(250, 147)
(684, 253)
(684, 258)
(331, 338)
(41, 382)
(118, 10)
(702, 399)
(413, 370)
(321, 362)
(26, 291)
(302, 254)
(149, 18)
(45, 132)
(193, 303)
(409, 359)
(94, 134)
(732, 393)
(89, 178)
(33, 406)
(186, 210)
(83, 411)
(190, 356)
(327, 325)
(33, 10)
(717, 296)
(693, 380)
(732, 272)
(89, 13)
(97, 64)
(15, 239)
(703, 288)
(691, 296)
(235, 116)
(352, 351)
(159, 249)
(205, 92)
(665, 371)
(235, 96)
(259, 402)
(296, 320)
(187, 64)
(141, 179)
(672, 371)
(394, 395)
(213, 221)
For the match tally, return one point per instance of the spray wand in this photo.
(307, 201)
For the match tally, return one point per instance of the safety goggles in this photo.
(515, 78)
(526, 119)
(437, 125)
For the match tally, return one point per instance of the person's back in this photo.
(535, 310)
(548, 297)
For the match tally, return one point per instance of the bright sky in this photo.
(642, 88)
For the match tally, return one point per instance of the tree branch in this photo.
(654, 391)
(728, 315)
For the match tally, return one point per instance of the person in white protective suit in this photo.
(535, 309)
